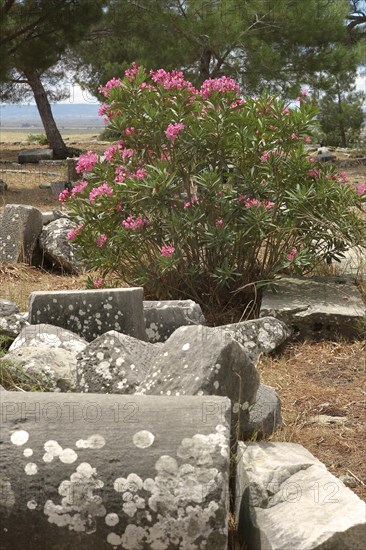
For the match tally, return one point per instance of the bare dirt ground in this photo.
(312, 379)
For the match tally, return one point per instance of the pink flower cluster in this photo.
(361, 189)
(291, 255)
(219, 222)
(173, 130)
(167, 250)
(103, 189)
(139, 174)
(64, 195)
(237, 103)
(102, 240)
(98, 283)
(255, 202)
(114, 82)
(172, 80)
(79, 188)
(223, 84)
(132, 72)
(129, 131)
(266, 155)
(133, 224)
(86, 162)
(110, 153)
(74, 232)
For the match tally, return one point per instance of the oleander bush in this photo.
(207, 193)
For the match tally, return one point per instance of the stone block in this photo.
(316, 308)
(110, 471)
(265, 413)
(34, 155)
(57, 248)
(286, 499)
(50, 336)
(164, 317)
(19, 230)
(90, 313)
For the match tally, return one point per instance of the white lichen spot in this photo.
(112, 519)
(132, 483)
(32, 504)
(31, 469)
(53, 447)
(94, 441)
(114, 539)
(68, 456)
(20, 437)
(143, 439)
(47, 457)
(216, 384)
(186, 347)
(27, 452)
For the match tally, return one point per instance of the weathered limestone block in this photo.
(265, 413)
(197, 360)
(107, 472)
(286, 499)
(34, 155)
(114, 363)
(90, 313)
(57, 248)
(316, 308)
(11, 320)
(164, 317)
(259, 335)
(19, 230)
(54, 368)
(48, 335)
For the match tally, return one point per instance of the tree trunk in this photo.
(54, 137)
(341, 121)
(205, 61)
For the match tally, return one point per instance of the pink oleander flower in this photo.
(139, 174)
(114, 82)
(172, 80)
(103, 111)
(223, 84)
(133, 224)
(132, 72)
(219, 222)
(79, 188)
(167, 250)
(268, 204)
(173, 130)
(74, 232)
(119, 207)
(312, 160)
(252, 202)
(291, 255)
(343, 178)
(126, 153)
(102, 240)
(361, 189)
(103, 189)
(109, 153)
(294, 136)
(121, 174)
(129, 131)
(241, 198)
(86, 162)
(266, 155)
(304, 93)
(98, 283)
(237, 103)
(313, 173)
(64, 195)
(307, 139)
(286, 111)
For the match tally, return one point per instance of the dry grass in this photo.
(325, 378)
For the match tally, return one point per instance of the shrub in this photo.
(206, 193)
(37, 138)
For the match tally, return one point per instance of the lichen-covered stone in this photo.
(7, 308)
(316, 308)
(259, 335)
(57, 248)
(286, 499)
(114, 472)
(48, 335)
(265, 413)
(55, 368)
(11, 325)
(114, 363)
(164, 317)
(90, 313)
(20, 228)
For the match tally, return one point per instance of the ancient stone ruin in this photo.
(148, 436)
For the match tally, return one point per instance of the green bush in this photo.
(37, 138)
(207, 193)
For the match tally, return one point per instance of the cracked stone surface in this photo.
(48, 335)
(90, 313)
(164, 317)
(286, 499)
(57, 248)
(316, 308)
(20, 228)
(114, 472)
(259, 336)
